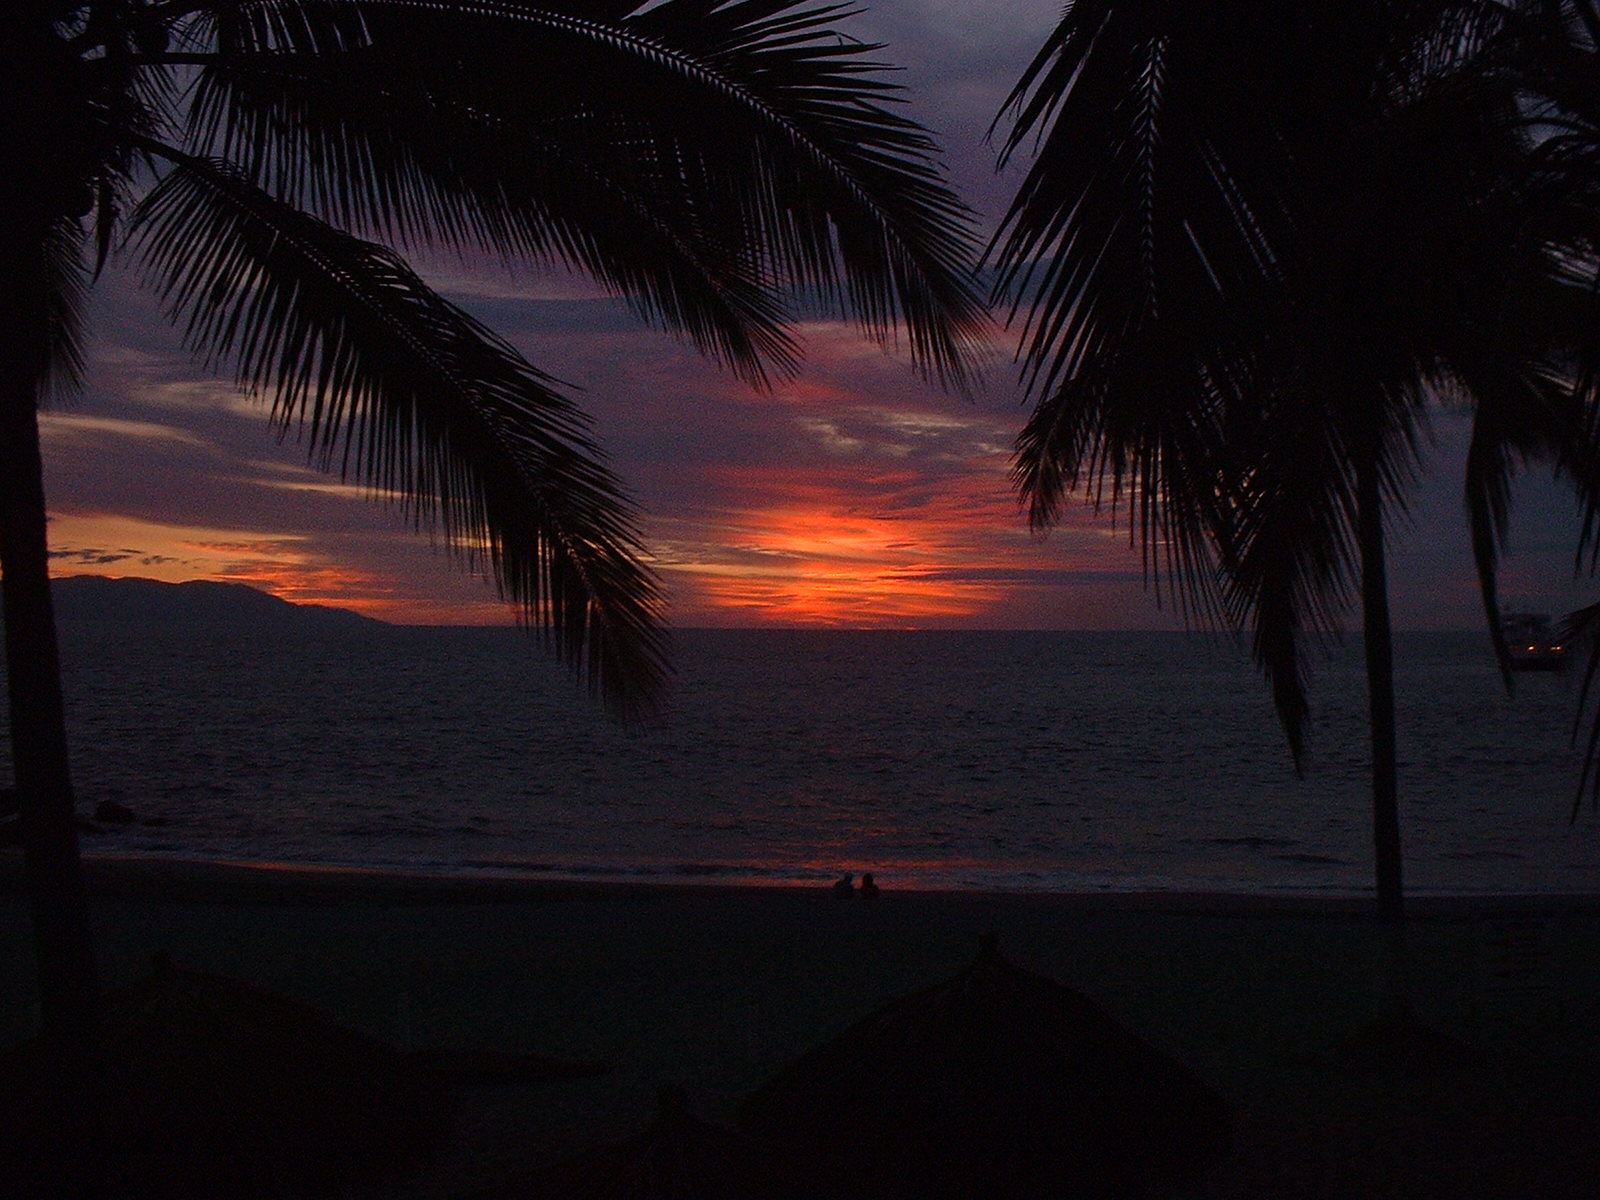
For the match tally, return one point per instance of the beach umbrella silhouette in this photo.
(996, 1083)
(679, 1157)
(204, 1086)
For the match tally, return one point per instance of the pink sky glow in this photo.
(853, 495)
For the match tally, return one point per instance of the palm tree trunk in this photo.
(68, 986)
(1379, 643)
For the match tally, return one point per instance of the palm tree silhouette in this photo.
(1257, 244)
(1552, 51)
(723, 164)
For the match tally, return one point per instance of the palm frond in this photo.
(390, 161)
(43, 306)
(1569, 316)
(63, 287)
(1290, 561)
(1137, 430)
(386, 382)
(1525, 411)
(1290, 218)
(1130, 297)
(1581, 631)
(1143, 268)
(747, 146)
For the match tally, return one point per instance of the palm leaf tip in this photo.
(613, 637)
(1581, 631)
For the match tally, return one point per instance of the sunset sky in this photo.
(852, 495)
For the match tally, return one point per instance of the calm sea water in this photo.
(1055, 761)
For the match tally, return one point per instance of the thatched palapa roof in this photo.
(996, 1083)
(203, 1086)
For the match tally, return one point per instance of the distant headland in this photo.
(198, 603)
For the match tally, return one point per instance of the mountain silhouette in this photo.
(200, 603)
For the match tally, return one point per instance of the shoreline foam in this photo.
(175, 877)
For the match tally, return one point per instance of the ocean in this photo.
(1029, 761)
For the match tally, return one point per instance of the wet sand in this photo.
(716, 988)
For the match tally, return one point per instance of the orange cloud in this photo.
(291, 566)
(819, 546)
(850, 495)
(112, 543)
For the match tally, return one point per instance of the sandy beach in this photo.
(715, 989)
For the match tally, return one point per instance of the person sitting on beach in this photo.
(869, 889)
(843, 886)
